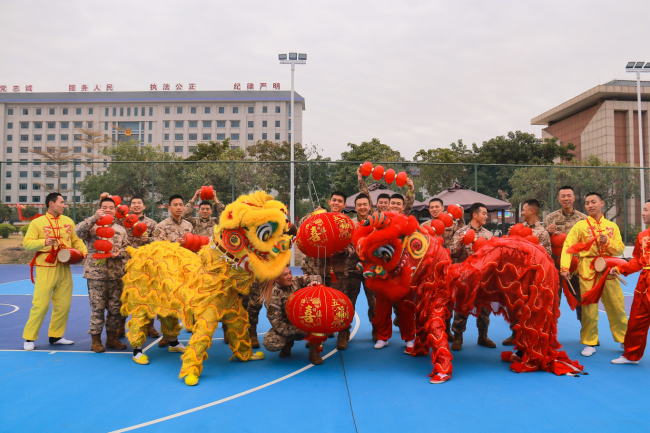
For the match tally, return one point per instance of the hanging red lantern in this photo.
(319, 310)
(455, 211)
(117, 199)
(516, 229)
(401, 179)
(438, 226)
(478, 244)
(139, 229)
(389, 177)
(333, 231)
(446, 219)
(130, 221)
(556, 250)
(105, 232)
(574, 264)
(207, 193)
(378, 172)
(558, 239)
(366, 168)
(122, 211)
(470, 236)
(106, 220)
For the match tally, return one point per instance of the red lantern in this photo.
(446, 219)
(105, 232)
(106, 220)
(378, 172)
(556, 250)
(574, 264)
(532, 239)
(389, 177)
(130, 221)
(401, 179)
(438, 226)
(516, 229)
(470, 236)
(478, 244)
(207, 193)
(139, 229)
(525, 231)
(104, 247)
(116, 199)
(366, 168)
(122, 211)
(558, 239)
(319, 310)
(330, 230)
(455, 211)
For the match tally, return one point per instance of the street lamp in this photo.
(639, 67)
(294, 59)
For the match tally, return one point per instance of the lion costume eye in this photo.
(385, 252)
(265, 231)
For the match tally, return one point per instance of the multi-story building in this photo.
(175, 120)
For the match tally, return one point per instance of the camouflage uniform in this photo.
(540, 233)
(253, 303)
(171, 230)
(202, 226)
(104, 280)
(564, 223)
(408, 200)
(448, 235)
(283, 331)
(459, 253)
(138, 241)
(355, 279)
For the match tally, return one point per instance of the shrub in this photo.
(6, 230)
(24, 228)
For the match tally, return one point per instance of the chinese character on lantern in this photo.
(28, 88)
(262, 86)
(276, 86)
(84, 88)
(97, 88)
(153, 87)
(237, 86)
(3, 88)
(109, 87)
(179, 86)
(250, 86)
(166, 86)
(192, 86)
(71, 88)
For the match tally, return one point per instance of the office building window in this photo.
(78, 124)
(277, 135)
(150, 125)
(106, 112)
(250, 123)
(166, 149)
(192, 149)
(23, 174)
(179, 110)
(207, 137)
(167, 110)
(192, 110)
(277, 123)
(51, 111)
(38, 137)
(235, 110)
(10, 138)
(38, 125)
(251, 110)
(90, 111)
(76, 149)
(178, 123)
(77, 174)
(264, 135)
(128, 111)
(65, 125)
(7, 186)
(234, 136)
(193, 137)
(221, 123)
(24, 125)
(277, 109)
(220, 137)
(178, 137)
(264, 123)
(121, 111)
(234, 123)
(166, 124)
(265, 109)
(36, 199)
(10, 125)
(78, 111)
(77, 199)
(114, 111)
(23, 162)
(22, 186)
(150, 111)
(10, 149)
(38, 111)
(178, 149)
(7, 174)
(50, 186)
(222, 110)
(7, 198)
(194, 124)
(206, 110)
(166, 137)
(64, 137)
(24, 138)
(250, 137)
(149, 138)
(289, 137)
(25, 111)
(22, 198)
(76, 137)
(51, 137)
(10, 112)
(207, 123)
(105, 126)
(89, 124)
(51, 125)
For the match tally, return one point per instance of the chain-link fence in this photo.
(28, 182)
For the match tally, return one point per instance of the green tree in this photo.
(6, 230)
(7, 213)
(521, 148)
(216, 151)
(450, 165)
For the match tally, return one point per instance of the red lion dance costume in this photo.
(511, 276)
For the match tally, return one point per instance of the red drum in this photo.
(70, 256)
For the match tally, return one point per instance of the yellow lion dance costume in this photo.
(163, 279)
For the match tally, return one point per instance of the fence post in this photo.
(551, 190)
(233, 181)
(311, 208)
(74, 191)
(624, 209)
(475, 177)
(153, 195)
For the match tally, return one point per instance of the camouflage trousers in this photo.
(253, 304)
(351, 287)
(104, 295)
(482, 321)
(274, 342)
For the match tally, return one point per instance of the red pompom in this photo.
(516, 229)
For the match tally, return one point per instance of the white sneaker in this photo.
(623, 360)
(179, 348)
(62, 340)
(623, 346)
(381, 344)
(28, 345)
(410, 343)
(588, 351)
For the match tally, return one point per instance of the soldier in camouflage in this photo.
(253, 305)
(104, 277)
(283, 333)
(383, 200)
(172, 229)
(562, 221)
(204, 224)
(459, 253)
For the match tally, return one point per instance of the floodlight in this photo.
(282, 56)
(293, 56)
(630, 65)
(303, 56)
(639, 65)
(647, 66)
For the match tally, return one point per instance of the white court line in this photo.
(16, 308)
(241, 394)
(17, 281)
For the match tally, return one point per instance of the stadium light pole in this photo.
(639, 67)
(294, 59)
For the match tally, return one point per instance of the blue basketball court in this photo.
(72, 389)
